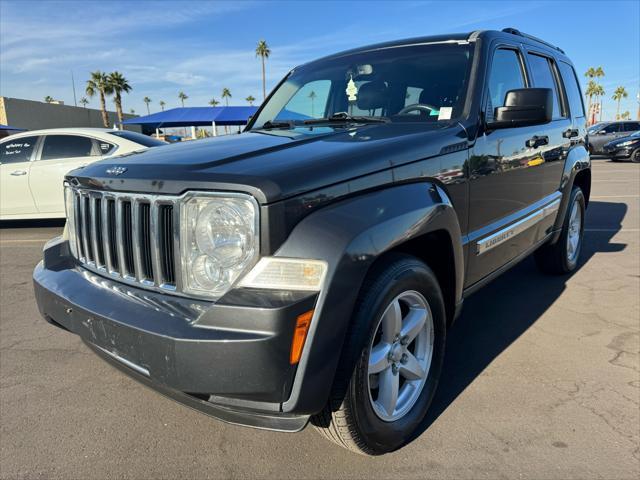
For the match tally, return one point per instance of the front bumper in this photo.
(618, 152)
(229, 359)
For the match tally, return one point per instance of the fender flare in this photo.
(578, 159)
(350, 235)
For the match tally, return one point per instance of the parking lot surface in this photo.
(541, 380)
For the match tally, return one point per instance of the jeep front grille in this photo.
(131, 237)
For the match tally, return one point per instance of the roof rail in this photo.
(515, 31)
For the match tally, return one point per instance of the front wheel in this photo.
(635, 156)
(396, 342)
(562, 256)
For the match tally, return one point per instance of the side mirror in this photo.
(524, 107)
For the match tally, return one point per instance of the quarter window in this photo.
(543, 77)
(631, 126)
(308, 102)
(572, 89)
(17, 150)
(506, 74)
(66, 146)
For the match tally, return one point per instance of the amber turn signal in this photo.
(299, 336)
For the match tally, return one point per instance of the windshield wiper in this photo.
(276, 124)
(341, 117)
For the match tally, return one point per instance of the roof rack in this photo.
(515, 31)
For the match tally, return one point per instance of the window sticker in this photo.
(445, 113)
(352, 90)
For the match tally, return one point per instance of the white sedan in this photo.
(33, 165)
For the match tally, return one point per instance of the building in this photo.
(33, 115)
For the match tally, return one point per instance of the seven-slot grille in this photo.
(132, 237)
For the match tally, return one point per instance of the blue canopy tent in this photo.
(6, 130)
(195, 117)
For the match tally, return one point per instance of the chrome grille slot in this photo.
(144, 241)
(166, 243)
(87, 227)
(127, 240)
(130, 237)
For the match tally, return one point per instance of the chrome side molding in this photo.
(487, 243)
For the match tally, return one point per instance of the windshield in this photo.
(423, 83)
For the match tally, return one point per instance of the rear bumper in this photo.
(229, 359)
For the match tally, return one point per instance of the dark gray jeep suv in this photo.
(308, 269)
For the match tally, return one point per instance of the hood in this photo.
(271, 165)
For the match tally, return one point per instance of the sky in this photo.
(200, 47)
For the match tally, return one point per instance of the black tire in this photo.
(635, 156)
(349, 419)
(554, 259)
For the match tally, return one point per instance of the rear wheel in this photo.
(562, 256)
(396, 342)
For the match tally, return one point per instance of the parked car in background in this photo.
(626, 148)
(601, 134)
(33, 165)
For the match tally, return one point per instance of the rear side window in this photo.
(543, 77)
(17, 150)
(572, 89)
(612, 128)
(138, 138)
(631, 126)
(506, 74)
(66, 146)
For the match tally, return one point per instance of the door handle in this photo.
(536, 141)
(570, 133)
(17, 173)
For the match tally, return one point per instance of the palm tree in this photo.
(84, 102)
(118, 84)
(626, 115)
(312, 96)
(182, 96)
(213, 102)
(99, 83)
(599, 94)
(132, 111)
(162, 104)
(250, 99)
(618, 95)
(226, 94)
(147, 100)
(592, 73)
(48, 99)
(263, 51)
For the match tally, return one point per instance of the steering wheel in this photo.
(419, 107)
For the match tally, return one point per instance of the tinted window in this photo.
(374, 83)
(506, 74)
(138, 138)
(631, 126)
(66, 146)
(543, 77)
(572, 89)
(104, 147)
(612, 128)
(17, 150)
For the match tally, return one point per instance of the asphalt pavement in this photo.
(541, 380)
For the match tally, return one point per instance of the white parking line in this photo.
(618, 230)
(28, 240)
(615, 196)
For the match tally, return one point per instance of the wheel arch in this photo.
(351, 236)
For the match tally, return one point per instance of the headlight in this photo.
(71, 219)
(625, 144)
(219, 242)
